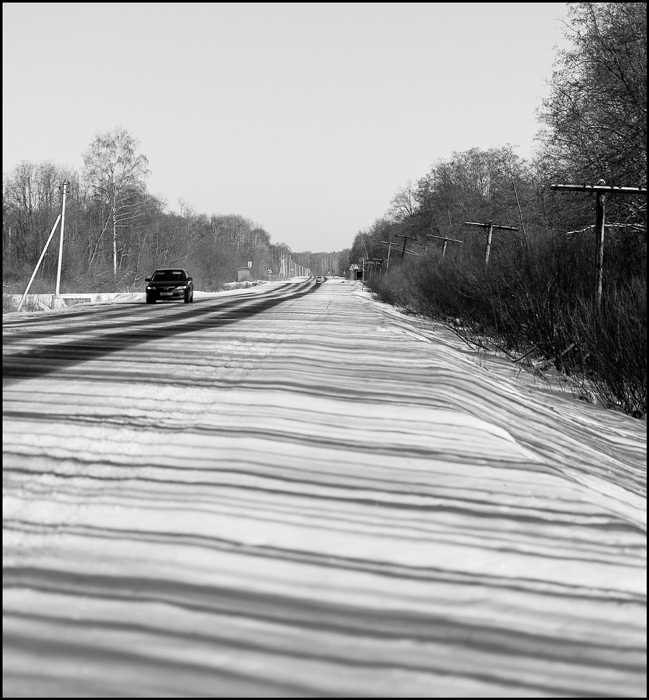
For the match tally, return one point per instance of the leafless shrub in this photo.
(536, 300)
(395, 287)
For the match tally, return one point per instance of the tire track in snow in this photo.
(308, 501)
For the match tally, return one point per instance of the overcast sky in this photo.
(306, 118)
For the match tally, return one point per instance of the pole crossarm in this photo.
(445, 238)
(600, 188)
(494, 227)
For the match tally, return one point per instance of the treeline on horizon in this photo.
(116, 232)
(536, 298)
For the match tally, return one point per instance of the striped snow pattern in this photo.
(299, 492)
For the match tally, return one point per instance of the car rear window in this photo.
(168, 276)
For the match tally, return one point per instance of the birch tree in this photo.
(116, 173)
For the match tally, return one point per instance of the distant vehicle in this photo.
(319, 279)
(167, 284)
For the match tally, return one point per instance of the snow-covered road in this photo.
(295, 491)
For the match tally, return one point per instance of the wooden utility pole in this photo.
(405, 240)
(492, 227)
(601, 188)
(446, 240)
(58, 272)
(371, 266)
(389, 245)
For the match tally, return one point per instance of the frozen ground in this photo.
(297, 491)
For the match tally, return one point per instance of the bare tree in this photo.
(116, 173)
(31, 198)
(404, 203)
(596, 112)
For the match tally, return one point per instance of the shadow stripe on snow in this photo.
(41, 361)
(344, 619)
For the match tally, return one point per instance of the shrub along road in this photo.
(297, 491)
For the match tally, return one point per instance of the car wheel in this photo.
(150, 299)
(187, 299)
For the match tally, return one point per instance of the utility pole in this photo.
(370, 268)
(492, 227)
(58, 272)
(389, 245)
(405, 240)
(600, 189)
(405, 237)
(446, 240)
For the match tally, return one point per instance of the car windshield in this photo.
(169, 276)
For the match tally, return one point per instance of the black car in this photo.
(169, 283)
